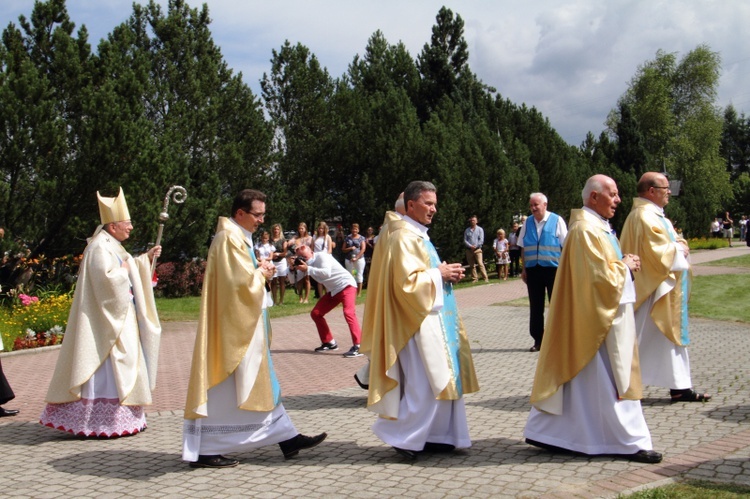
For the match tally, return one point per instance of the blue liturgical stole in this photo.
(449, 320)
(275, 386)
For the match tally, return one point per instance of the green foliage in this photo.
(156, 105)
(667, 120)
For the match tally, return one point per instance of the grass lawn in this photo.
(187, 309)
(735, 261)
(729, 290)
(693, 489)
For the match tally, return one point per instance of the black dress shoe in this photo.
(435, 447)
(549, 447)
(408, 454)
(291, 447)
(645, 456)
(535, 348)
(363, 386)
(8, 412)
(215, 461)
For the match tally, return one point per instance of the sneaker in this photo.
(325, 347)
(353, 352)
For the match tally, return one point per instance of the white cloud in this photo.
(570, 59)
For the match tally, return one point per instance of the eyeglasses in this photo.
(256, 215)
(659, 187)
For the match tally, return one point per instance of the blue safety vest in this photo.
(545, 250)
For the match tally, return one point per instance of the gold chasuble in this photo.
(585, 300)
(232, 321)
(650, 235)
(113, 315)
(400, 297)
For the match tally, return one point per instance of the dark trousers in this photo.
(6, 394)
(515, 262)
(539, 280)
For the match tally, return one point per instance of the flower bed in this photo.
(31, 322)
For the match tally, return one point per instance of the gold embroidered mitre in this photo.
(113, 209)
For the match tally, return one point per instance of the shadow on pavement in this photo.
(123, 464)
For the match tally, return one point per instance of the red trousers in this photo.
(348, 297)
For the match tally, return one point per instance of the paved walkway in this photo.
(707, 441)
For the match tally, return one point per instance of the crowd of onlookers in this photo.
(352, 250)
(724, 228)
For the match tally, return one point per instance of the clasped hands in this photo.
(267, 269)
(451, 272)
(632, 261)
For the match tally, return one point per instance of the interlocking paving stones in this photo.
(706, 441)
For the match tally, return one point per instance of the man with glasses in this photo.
(662, 290)
(107, 366)
(234, 398)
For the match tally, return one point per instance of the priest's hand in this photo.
(632, 261)
(267, 269)
(154, 252)
(451, 272)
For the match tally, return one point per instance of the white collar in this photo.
(248, 235)
(659, 209)
(604, 221)
(422, 229)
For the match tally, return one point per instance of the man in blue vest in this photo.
(541, 238)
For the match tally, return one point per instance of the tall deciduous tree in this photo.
(673, 104)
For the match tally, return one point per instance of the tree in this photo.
(297, 95)
(735, 142)
(673, 106)
(443, 62)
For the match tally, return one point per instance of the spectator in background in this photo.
(514, 251)
(264, 248)
(716, 228)
(728, 226)
(743, 228)
(322, 242)
(354, 250)
(474, 240)
(541, 237)
(338, 244)
(502, 258)
(370, 242)
(302, 281)
(278, 257)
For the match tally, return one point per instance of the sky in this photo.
(571, 60)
